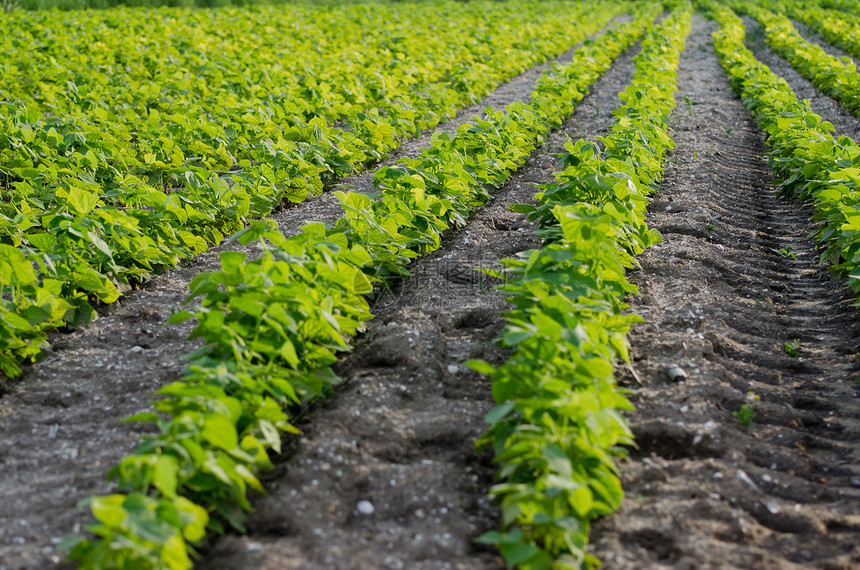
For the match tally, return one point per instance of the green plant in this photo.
(272, 326)
(805, 157)
(786, 252)
(792, 348)
(556, 428)
(744, 416)
(689, 101)
(101, 197)
(833, 76)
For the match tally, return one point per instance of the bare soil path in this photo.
(721, 301)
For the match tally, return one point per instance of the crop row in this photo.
(839, 29)
(804, 155)
(120, 159)
(832, 76)
(557, 427)
(273, 325)
(846, 6)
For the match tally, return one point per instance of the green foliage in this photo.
(838, 28)
(131, 139)
(804, 156)
(744, 416)
(837, 78)
(103, 4)
(557, 428)
(792, 348)
(786, 252)
(272, 326)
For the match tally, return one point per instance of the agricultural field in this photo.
(431, 285)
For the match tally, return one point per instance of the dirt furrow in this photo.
(385, 475)
(735, 279)
(846, 124)
(60, 428)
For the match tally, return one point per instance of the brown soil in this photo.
(721, 301)
(385, 475)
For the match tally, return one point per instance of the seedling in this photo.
(857, 381)
(744, 416)
(792, 348)
(689, 101)
(786, 252)
(710, 227)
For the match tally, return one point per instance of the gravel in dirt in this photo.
(60, 424)
(385, 475)
(735, 279)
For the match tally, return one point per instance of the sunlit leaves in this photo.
(556, 429)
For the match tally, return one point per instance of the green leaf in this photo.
(109, 510)
(515, 554)
(220, 432)
(498, 413)
(165, 475)
(557, 460)
(179, 317)
(15, 270)
(481, 367)
(81, 202)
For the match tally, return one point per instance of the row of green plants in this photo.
(10, 5)
(846, 6)
(807, 160)
(160, 137)
(557, 428)
(272, 326)
(832, 76)
(838, 28)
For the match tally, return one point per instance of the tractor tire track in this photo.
(721, 301)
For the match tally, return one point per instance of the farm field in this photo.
(663, 236)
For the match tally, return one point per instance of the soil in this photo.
(702, 490)
(385, 475)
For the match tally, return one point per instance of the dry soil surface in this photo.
(736, 278)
